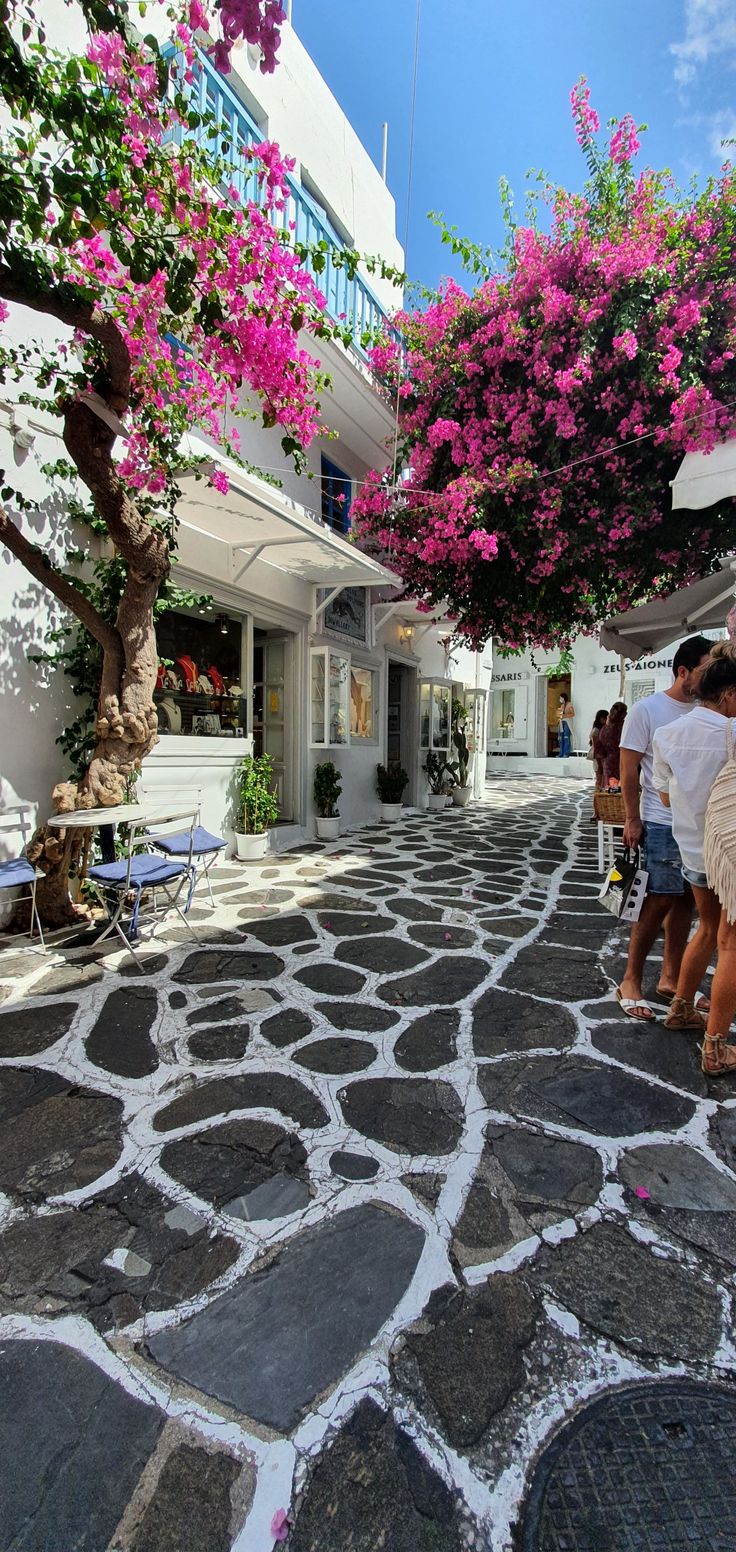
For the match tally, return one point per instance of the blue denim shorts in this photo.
(662, 861)
(694, 876)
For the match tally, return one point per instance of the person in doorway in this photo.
(565, 724)
(688, 754)
(599, 723)
(609, 744)
(669, 900)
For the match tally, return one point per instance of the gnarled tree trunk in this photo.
(126, 714)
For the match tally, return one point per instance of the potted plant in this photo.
(327, 789)
(390, 784)
(436, 772)
(459, 767)
(257, 806)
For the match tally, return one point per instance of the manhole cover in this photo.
(649, 1467)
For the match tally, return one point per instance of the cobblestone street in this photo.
(338, 1213)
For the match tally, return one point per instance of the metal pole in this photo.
(288, 11)
(384, 150)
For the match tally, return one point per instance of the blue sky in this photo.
(493, 86)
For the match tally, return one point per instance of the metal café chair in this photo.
(143, 869)
(206, 846)
(18, 871)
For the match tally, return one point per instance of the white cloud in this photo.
(710, 31)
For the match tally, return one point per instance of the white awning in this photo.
(701, 606)
(258, 522)
(705, 478)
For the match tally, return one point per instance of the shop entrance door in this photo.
(401, 722)
(273, 718)
(555, 688)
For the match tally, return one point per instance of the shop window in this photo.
(337, 494)
(434, 714)
(509, 714)
(362, 703)
(330, 711)
(199, 690)
(475, 706)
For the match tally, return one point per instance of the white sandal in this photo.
(628, 1004)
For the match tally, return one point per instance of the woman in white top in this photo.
(688, 754)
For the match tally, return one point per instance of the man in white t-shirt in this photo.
(669, 900)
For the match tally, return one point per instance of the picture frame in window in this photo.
(206, 724)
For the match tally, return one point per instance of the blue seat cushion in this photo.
(16, 872)
(178, 845)
(145, 869)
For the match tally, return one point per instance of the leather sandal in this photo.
(684, 1015)
(716, 1056)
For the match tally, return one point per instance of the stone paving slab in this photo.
(375, 1164)
(62, 1423)
(344, 1277)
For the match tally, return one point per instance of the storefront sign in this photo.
(641, 663)
(510, 678)
(347, 614)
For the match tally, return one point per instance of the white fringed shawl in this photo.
(719, 850)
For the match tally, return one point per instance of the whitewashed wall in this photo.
(35, 703)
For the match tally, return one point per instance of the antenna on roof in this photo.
(384, 150)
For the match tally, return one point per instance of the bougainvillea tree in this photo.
(543, 416)
(170, 298)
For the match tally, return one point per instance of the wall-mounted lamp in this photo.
(406, 635)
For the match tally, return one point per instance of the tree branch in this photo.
(89, 442)
(40, 567)
(60, 302)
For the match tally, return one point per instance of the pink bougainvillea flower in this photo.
(280, 1525)
(642, 1193)
(543, 415)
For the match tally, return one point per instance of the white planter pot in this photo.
(390, 812)
(251, 848)
(436, 802)
(328, 829)
(460, 796)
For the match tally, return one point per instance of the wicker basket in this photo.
(609, 807)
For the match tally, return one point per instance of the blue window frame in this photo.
(337, 494)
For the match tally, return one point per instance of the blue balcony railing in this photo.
(350, 301)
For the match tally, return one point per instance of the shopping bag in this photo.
(625, 887)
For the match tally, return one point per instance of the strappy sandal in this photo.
(631, 1005)
(684, 1015)
(715, 1050)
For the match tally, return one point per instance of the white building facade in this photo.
(524, 695)
(304, 653)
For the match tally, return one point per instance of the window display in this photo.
(434, 714)
(509, 714)
(342, 699)
(338, 705)
(362, 701)
(198, 687)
